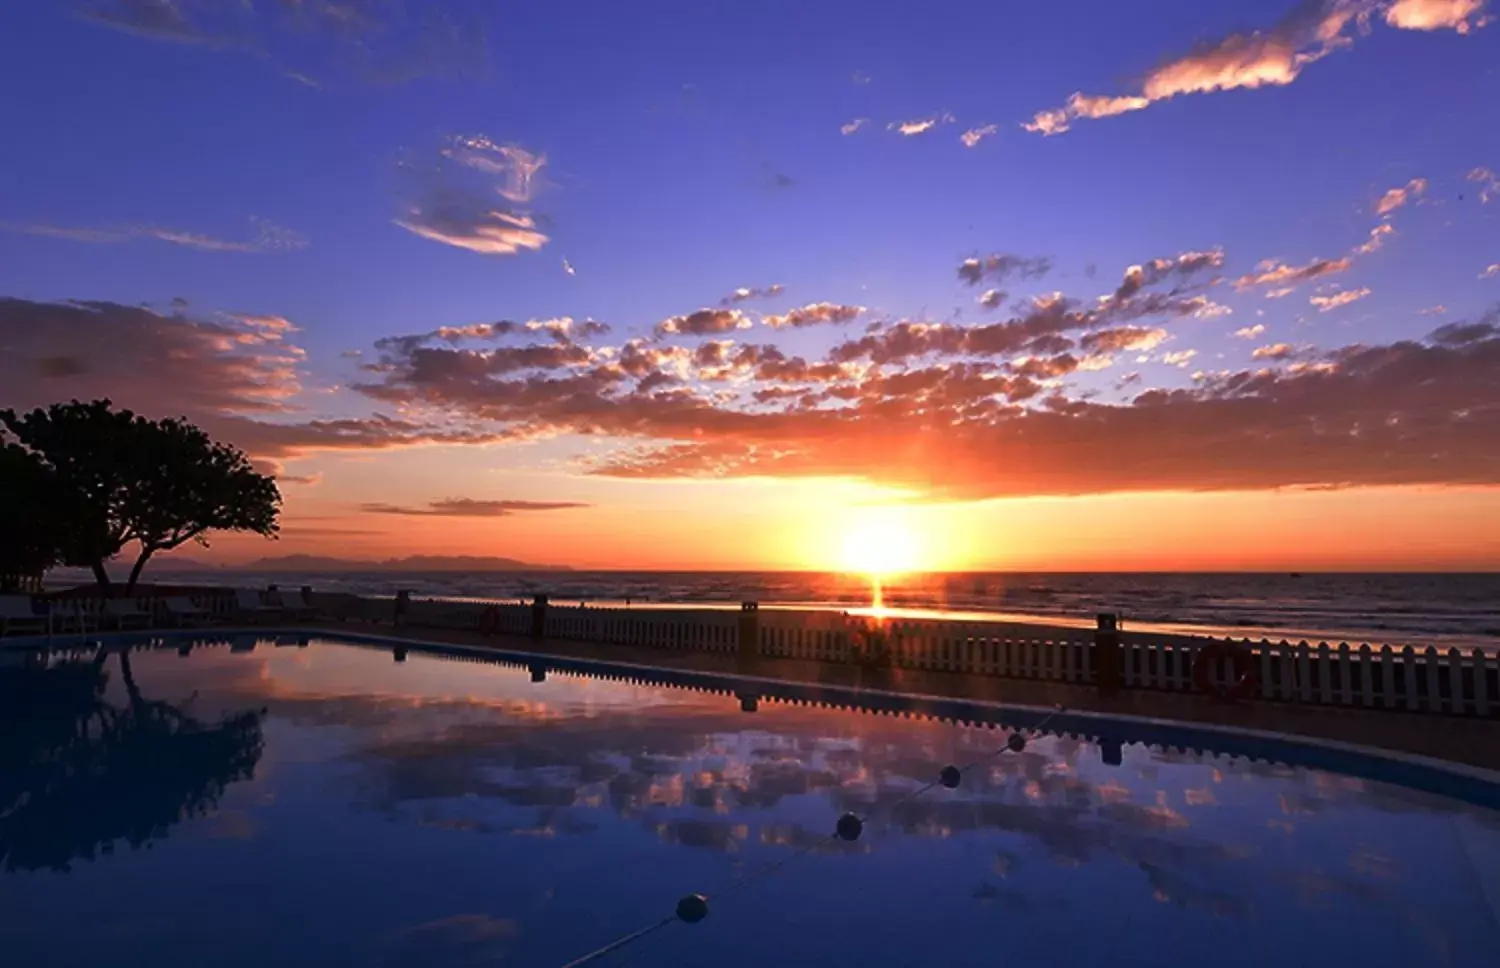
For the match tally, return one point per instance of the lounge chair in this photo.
(122, 612)
(182, 611)
(297, 605)
(247, 601)
(16, 614)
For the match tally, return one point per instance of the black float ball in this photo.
(692, 908)
(850, 827)
(1015, 743)
(950, 777)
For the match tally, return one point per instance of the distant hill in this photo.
(412, 563)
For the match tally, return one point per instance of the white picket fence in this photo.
(1424, 680)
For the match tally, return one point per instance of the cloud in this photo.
(464, 507)
(1490, 271)
(1180, 358)
(1281, 275)
(1459, 15)
(973, 136)
(1397, 197)
(1377, 238)
(853, 126)
(1338, 300)
(1276, 351)
(704, 322)
(1436, 310)
(991, 298)
(1123, 339)
(744, 293)
(1150, 273)
(310, 40)
(814, 313)
(268, 237)
(911, 129)
(237, 377)
(1250, 332)
(1273, 57)
(467, 198)
(516, 169)
(1488, 182)
(1000, 267)
(568, 268)
(860, 78)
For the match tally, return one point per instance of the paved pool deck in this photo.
(1471, 741)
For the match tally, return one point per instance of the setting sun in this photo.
(881, 541)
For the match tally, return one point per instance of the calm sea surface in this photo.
(1421, 609)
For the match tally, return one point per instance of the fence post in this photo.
(539, 617)
(1107, 653)
(749, 629)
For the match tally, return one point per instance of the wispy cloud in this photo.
(268, 237)
(310, 40)
(1276, 351)
(1272, 57)
(744, 293)
(918, 126)
(1328, 304)
(1377, 239)
(1002, 266)
(1488, 182)
(1437, 310)
(1490, 271)
(1397, 197)
(462, 199)
(973, 136)
(1180, 358)
(1269, 272)
(1251, 332)
(852, 126)
(464, 507)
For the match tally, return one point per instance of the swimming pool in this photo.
(266, 803)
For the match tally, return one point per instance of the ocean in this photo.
(1443, 610)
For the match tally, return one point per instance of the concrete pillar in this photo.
(539, 617)
(749, 630)
(1108, 673)
(538, 673)
(1110, 751)
(749, 702)
(399, 653)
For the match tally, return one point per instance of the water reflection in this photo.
(477, 816)
(79, 773)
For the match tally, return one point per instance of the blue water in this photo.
(325, 805)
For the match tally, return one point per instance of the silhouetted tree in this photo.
(28, 542)
(159, 483)
(78, 774)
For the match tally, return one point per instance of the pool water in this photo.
(326, 805)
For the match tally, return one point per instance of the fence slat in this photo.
(1456, 704)
(1434, 690)
(1304, 672)
(1481, 682)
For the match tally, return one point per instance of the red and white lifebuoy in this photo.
(1245, 678)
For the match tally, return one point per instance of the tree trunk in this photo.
(102, 577)
(135, 571)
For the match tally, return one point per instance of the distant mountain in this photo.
(413, 563)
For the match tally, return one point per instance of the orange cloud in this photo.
(973, 136)
(1338, 300)
(1272, 273)
(1263, 58)
(1399, 196)
(704, 322)
(815, 313)
(1250, 332)
(1459, 15)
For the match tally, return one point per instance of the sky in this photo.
(1090, 285)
